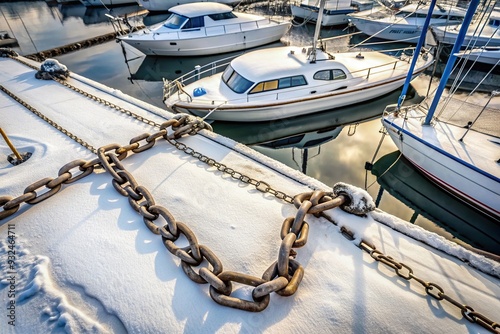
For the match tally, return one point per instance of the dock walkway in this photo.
(85, 260)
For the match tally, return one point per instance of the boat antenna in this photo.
(451, 60)
(414, 59)
(316, 31)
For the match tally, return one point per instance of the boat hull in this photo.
(333, 18)
(452, 173)
(204, 42)
(409, 31)
(449, 36)
(272, 110)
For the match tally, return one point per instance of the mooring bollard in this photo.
(16, 158)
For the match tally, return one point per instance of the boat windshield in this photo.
(235, 81)
(175, 21)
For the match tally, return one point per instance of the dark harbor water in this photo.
(331, 146)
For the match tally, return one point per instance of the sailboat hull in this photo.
(456, 166)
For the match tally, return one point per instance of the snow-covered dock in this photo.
(83, 260)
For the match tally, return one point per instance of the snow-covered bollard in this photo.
(51, 68)
(359, 203)
(6, 52)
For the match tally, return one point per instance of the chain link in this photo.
(432, 289)
(49, 121)
(283, 276)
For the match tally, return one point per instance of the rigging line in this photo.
(484, 78)
(8, 24)
(25, 28)
(388, 168)
(373, 159)
(105, 5)
(456, 85)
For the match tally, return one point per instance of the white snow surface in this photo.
(86, 263)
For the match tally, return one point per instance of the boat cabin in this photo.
(249, 74)
(187, 16)
(439, 12)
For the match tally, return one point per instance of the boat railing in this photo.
(219, 29)
(171, 87)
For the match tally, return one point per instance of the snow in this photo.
(86, 263)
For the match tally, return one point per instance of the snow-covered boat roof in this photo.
(285, 61)
(200, 9)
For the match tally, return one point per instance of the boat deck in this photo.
(96, 264)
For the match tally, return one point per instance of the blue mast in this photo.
(451, 60)
(421, 41)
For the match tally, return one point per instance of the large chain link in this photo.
(432, 289)
(283, 276)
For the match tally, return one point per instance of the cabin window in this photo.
(236, 82)
(175, 21)
(297, 80)
(194, 22)
(495, 23)
(322, 75)
(328, 75)
(222, 16)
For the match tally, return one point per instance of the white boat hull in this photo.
(489, 37)
(272, 110)
(408, 32)
(333, 18)
(460, 172)
(487, 56)
(204, 42)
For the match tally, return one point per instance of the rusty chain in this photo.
(48, 120)
(432, 289)
(282, 277)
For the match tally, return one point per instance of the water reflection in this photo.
(257, 133)
(398, 177)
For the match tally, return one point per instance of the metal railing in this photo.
(220, 29)
(172, 87)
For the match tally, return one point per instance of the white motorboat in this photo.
(335, 12)
(284, 82)
(406, 24)
(484, 55)
(483, 32)
(101, 3)
(454, 149)
(205, 28)
(165, 5)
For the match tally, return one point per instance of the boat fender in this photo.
(199, 91)
(359, 202)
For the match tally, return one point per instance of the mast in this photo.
(451, 60)
(414, 59)
(318, 28)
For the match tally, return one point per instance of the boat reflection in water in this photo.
(260, 133)
(397, 176)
